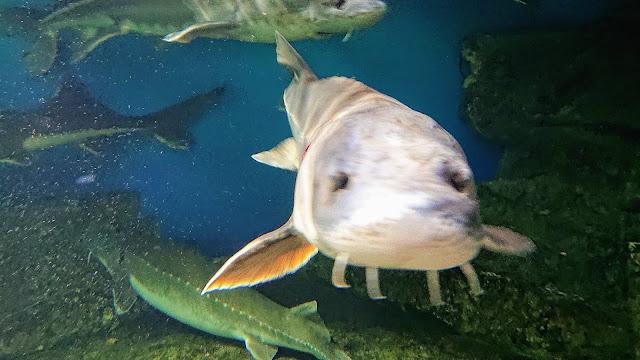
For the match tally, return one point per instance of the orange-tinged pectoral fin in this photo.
(271, 256)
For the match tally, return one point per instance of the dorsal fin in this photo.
(304, 309)
(290, 59)
(309, 310)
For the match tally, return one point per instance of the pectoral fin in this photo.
(84, 46)
(347, 36)
(258, 349)
(503, 240)
(268, 257)
(217, 30)
(171, 140)
(91, 147)
(285, 155)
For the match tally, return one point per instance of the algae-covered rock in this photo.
(563, 105)
(577, 79)
(47, 294)
(58, 302)
(634, 289)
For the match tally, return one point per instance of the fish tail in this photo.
(290, 59)
(19, 21)
(112, 259)
(42, 54)
(171, 125)
(28, 23)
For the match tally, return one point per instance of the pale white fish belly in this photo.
(387, 205)
(372, 244)
(430, 254)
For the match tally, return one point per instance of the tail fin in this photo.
(18, 21)
(42, 54)
(21, 22)
(123, 294)
(171, 125)
(290, 59)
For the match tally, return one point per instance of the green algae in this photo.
(562, 104)
(64, 305)
(634, 298)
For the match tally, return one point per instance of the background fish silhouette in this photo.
(72, 116)
(182, 21)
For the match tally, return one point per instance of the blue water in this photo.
(215, 194)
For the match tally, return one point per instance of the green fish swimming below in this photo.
(73, 117)
(242, 314)
(184, 20)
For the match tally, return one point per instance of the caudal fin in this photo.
(290, 59)
(111, 258)
(171, 125)
(26, 23)
(42, 54)
(268, 257)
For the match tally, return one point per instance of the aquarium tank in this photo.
(319, 179)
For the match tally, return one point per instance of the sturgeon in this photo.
(72, 116)
(241, 314)
(184, 20)
(379, 185)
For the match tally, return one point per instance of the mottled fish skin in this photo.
(242, 314)
(379, 185)
(184, 20)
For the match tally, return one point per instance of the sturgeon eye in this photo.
(340, 3)
(340, 181)
(457, 181)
